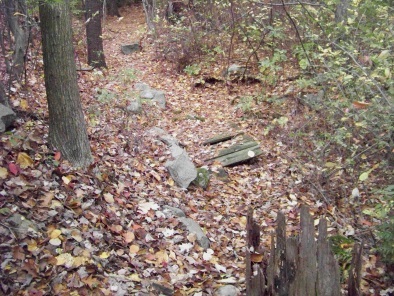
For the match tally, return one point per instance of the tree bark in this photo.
(94, 15)
(112, 7)
(67, 129)
(16, 10)
(341, 11)
(3, 96)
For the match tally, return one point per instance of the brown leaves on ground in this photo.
(102, 231)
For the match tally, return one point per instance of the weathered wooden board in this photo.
(237, 147)
(239, 156)
(221, 138)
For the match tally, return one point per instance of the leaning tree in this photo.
(67, 128)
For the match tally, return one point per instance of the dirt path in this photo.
(266, 183)
(103, 231)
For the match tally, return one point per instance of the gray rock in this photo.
(202, 179)
(154, 95)
(134, 106)
(130, 48)
(160, 98)
(234, 70)
(173, 211)
(182, 169)
(169, 140)
(163, 289)
(228, 290)
(193, 227)
(141, 86)
(22, 226)
(7, 117)
(147, 94)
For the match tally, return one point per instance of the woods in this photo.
(163, 147)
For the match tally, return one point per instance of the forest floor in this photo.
(102, 231)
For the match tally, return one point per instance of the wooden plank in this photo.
(239, 156)
(306, 274)
(271, 268)
(355, 271)
(328, 276)
(291, 262)
(254, 277)
(281, 282)
(237, 147)
(221, 138)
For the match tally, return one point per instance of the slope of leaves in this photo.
(102, 231)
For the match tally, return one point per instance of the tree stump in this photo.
(297, 265)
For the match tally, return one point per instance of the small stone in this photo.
(7, 117)
(202, 179)
(228, 290)
(130, 48)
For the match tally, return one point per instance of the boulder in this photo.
(7, 117)
(182, 169)
(234, 70)
(154, 95)
(172, 211)
(193, 227)
(134, 106)
(130, 48)
(141, 86)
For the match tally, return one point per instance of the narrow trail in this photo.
(266, 184)
(102, 231)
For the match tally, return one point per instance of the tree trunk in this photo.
(67, 129)
(3, 96)
(16, 10)
(341, 11)
(94, 15)
(112, 7)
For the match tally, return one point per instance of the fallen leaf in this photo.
(360, 105)
(134, 249)
(24, 160)
(128, 236)
(91, 282)
(65, 259)
(135, 277)
(55, 233)
(162, 257)
(13, 168)
(32, 246)
(57, 156)
(109, 198)
(24, 105)
(55, 241)
(3, 173)
(144, 207)
(104, 255)
(66, 180)
(76, 234)
(207, 255)
(220, 268)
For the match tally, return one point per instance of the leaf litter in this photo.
(102, 231)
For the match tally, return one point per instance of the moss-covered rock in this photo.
(202, 179)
